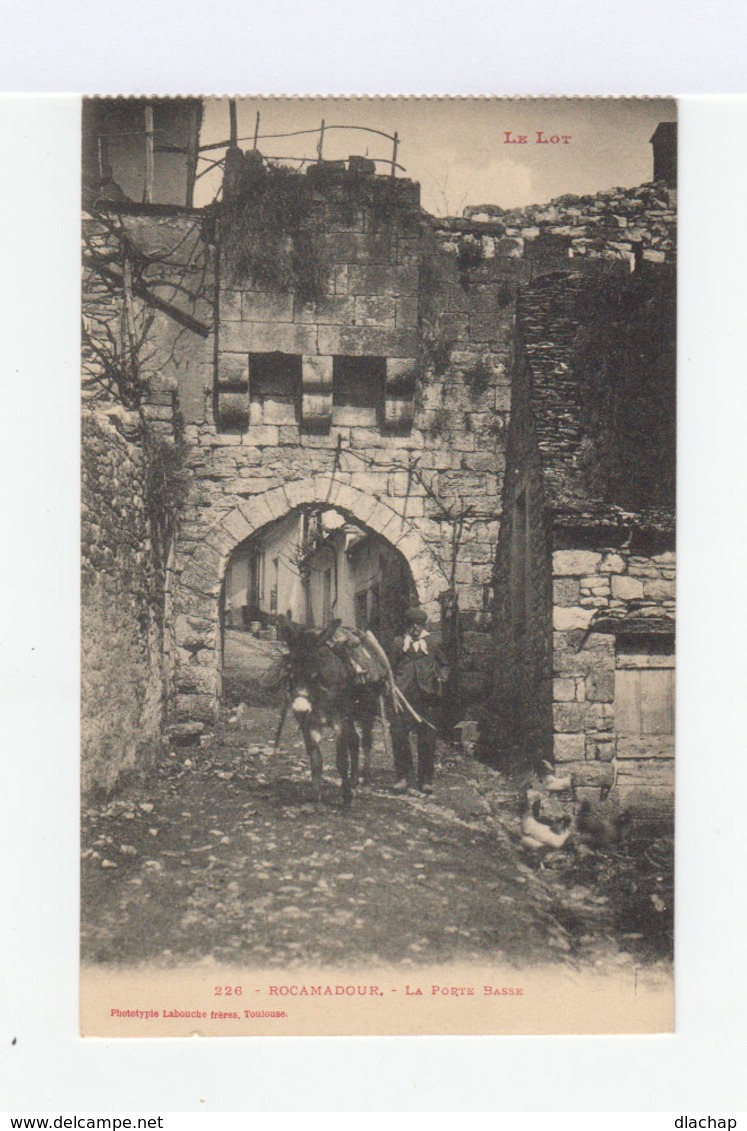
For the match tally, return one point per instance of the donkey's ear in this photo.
(328, 631)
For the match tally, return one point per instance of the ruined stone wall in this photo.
(122, 679)
(131, 415)
(518, 729)
(435, 300)
(613, 689)
(628, 224)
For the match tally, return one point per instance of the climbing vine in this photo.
(268, 234)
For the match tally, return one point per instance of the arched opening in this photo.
(314, 564)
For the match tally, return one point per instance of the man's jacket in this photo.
(417, 668)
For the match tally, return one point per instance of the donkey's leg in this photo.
(343, 761)
(367, 725)
(354, 750)
(312, 737)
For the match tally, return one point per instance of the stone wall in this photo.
(122, 646)
(517, 731)
(629, 224)
(603, 600)
(435, 301)
(425, 472)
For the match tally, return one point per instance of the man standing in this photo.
(420, 671)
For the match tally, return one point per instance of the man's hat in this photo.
(416, 615)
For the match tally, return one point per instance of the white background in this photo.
(333, 47)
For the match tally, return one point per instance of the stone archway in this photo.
(197, 630)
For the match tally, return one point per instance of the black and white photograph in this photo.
(378, 473)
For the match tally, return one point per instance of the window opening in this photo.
(357, 389)
(274, 387)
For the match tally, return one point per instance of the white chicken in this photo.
(535, 834)
(554, 784)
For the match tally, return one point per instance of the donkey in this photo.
(323, 690)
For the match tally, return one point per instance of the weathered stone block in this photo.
(569, 618)
(230, 306)
(600, 716)
(410, 545)
(406, 313)
(596, 774)
(600, 686)
(565, 591)
(575, 563)
(360, 341)
(564, 690)
(600, 643)
(626, 588)
(358, 247)
(648, 772)
(194, 707)
(256, 511)
(278, 411)
(232, 412)
(479, 461)
(237, 526)
(259, 306)
(642, 567)
(233, 370)
(220, 540)
(601, 749)
(189, 630)
(235, 337)
(401, 377)
(195, 677)
(595, 583)
(207, 559)
(659, 590)
(612, 563)
(637, 747)
(509, 248)
(569, 747)
(263, 436)
(378, 280)
(569, 718)
(375, 310)
(282, 337)
(335, 310)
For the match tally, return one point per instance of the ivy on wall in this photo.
(269, 230)
(625, 363)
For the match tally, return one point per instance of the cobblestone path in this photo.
(221, 855)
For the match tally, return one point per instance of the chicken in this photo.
(554, 784)
(601, 830)
(536, 834)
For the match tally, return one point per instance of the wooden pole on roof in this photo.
(320, 146)
(149, 152)
(193, 141)
(234, 132)
(256, 130)
(395, 147)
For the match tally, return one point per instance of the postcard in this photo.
(378, 566)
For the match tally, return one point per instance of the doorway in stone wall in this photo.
(314, 565)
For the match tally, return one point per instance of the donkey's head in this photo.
(305, 652)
